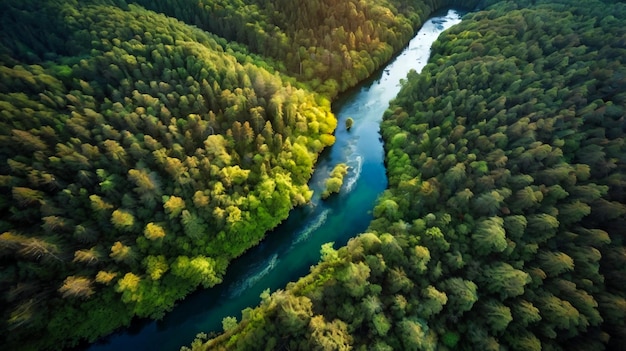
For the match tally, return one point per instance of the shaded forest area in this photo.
(503, 226)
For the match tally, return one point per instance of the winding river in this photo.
(289, 250)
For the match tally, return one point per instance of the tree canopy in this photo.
(502, 227)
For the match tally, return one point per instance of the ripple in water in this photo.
(357, 166)
(251, 279)
(313, 226)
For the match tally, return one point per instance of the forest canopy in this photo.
(329, 45)
(139, 155)
(142, 151)
(143, 148)
(502, 227)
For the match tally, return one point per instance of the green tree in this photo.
(503, 279)
(462, 294)
(228, 323)
(489, 236)
(415, 335)
(497, 316)
(555, 263)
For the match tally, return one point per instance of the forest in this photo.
(502, 228)
(140, 152)
(139, 155)
(331, 45)
(144, 145)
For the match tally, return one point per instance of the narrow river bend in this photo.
(289, 250)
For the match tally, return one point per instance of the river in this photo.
(289, 250)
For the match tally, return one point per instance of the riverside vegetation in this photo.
(141, 154)
(503, 224)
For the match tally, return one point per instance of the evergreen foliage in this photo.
(503, 224)
(138, 156)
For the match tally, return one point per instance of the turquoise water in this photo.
(289, 250)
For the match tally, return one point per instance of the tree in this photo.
(122, 253)
(526, 198)
(433, 303)
(98, 204)
(198, 270)
(381, 324)
(387, 208)
(541, 227)
(104, 277)
(39, 249)
(173, 206)
(501, 278)
(488, 204)
(558, 313)
(436, 240)
(573, 212)
(154, 231)
(515, 226)
(76, 286)
(90, 256)
(489, 236)
(523, 341)
(354, 278)
(28, 140)
(462, 294)
(415, 335)
(26, 196)
(156, 266)
(129, 286)
(228, 323)
(333, 336)
(554, 262)
(397, 281)
(335, 181)
(148, 184)
(215, 146)
(497, 316)
(349, 123)
(293, 312)
(123, 220)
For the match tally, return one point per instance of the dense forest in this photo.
(331, 45)
(142, 149)
(503, 225)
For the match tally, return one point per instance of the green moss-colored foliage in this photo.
(335, 180)
(138, 156)
(503, 224)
